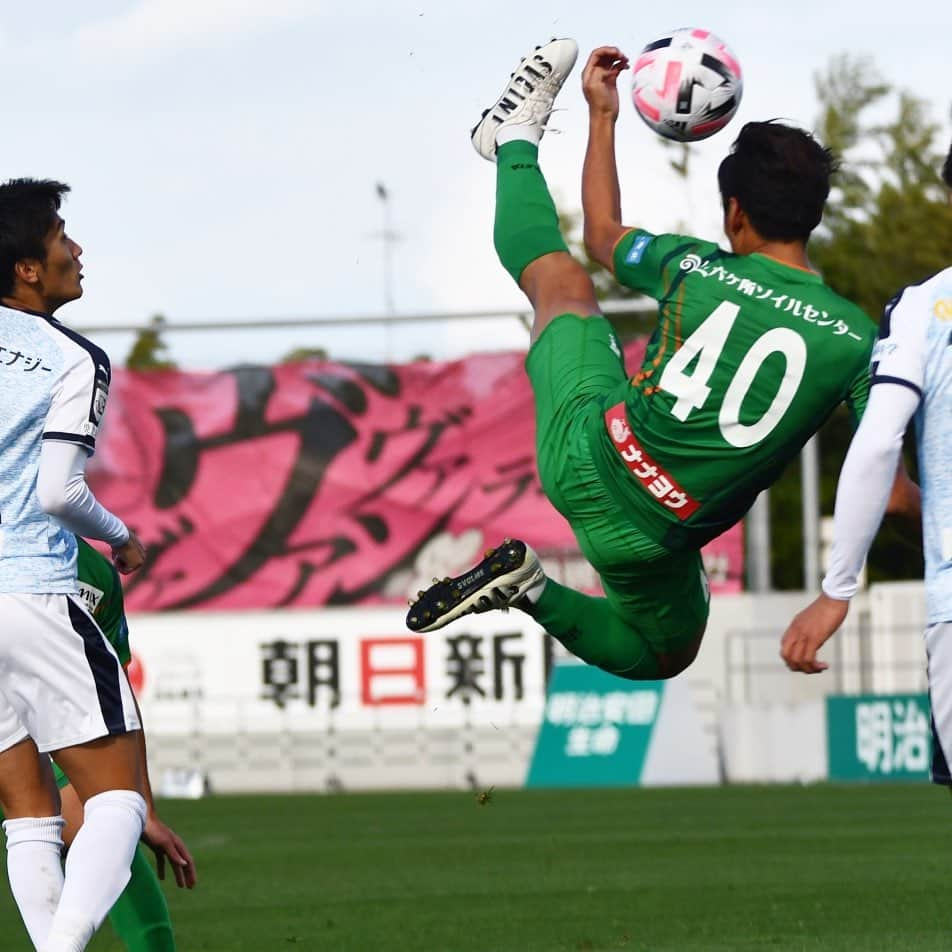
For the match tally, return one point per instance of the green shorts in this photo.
(61, 779)
(577, 370)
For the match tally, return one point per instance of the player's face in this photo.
(61, 274)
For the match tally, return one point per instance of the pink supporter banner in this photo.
(323, 483)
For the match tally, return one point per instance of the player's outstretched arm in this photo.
(601, 195)
(905, 499)
(64, 494)
(160, 838)
(865, 485)
(808, 632)
(130, 556)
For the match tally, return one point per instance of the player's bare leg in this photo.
(33, 828)
(557, 284)
(106, 775)
(140, 916)
(108, 763)
(27, 786)
(528, 240)
(573, 359)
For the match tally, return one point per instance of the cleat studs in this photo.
(441, 605)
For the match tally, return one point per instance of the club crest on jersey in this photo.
(943, 309)
(620, 430)
(690, 263)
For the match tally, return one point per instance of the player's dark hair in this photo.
(780, 177)
(947, 169)
(28, 209)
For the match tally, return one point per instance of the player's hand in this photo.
(809, 630)
(167, 844)
(600, 80)
(129, 557)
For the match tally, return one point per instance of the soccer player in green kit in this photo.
(752, 353)
(140, 916)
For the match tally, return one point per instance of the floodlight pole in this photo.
(389, 238)
(757, 526)
(810, 501)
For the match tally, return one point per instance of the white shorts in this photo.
(939, 653)
(60, 680)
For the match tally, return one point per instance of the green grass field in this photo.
(839, 868)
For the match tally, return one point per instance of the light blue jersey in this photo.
(915, 350)
(53, 386)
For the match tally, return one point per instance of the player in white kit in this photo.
(62, 689)
(912, 378)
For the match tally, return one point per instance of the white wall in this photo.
(220, 697)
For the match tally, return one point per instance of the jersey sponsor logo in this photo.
(91, 596)
(662, 486)
(943, 309)
(637, 250)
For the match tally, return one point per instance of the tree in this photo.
(304, 353)
(149, 351)
(888, 224)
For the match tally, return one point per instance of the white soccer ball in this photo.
(687, 85)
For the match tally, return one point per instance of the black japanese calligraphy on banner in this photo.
(325, 483)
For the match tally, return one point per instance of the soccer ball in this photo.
(686, 85)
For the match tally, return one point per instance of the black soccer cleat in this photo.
(501, 580)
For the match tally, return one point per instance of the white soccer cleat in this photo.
(500, 580)
(529, 95)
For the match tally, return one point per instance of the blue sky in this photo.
(224, 153)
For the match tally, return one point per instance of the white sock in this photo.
(35, 870)
(526, 131)
(534, 592)
(97, 867)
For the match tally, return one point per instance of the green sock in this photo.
(527, 224)
(593, 631)
(141, 914)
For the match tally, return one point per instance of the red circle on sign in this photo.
(136, 674)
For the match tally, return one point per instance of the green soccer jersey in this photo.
(101, 590)
(749, 359)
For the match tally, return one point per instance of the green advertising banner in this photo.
(596, 729)
(879, 737)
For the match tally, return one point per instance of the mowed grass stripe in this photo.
(781, 868)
